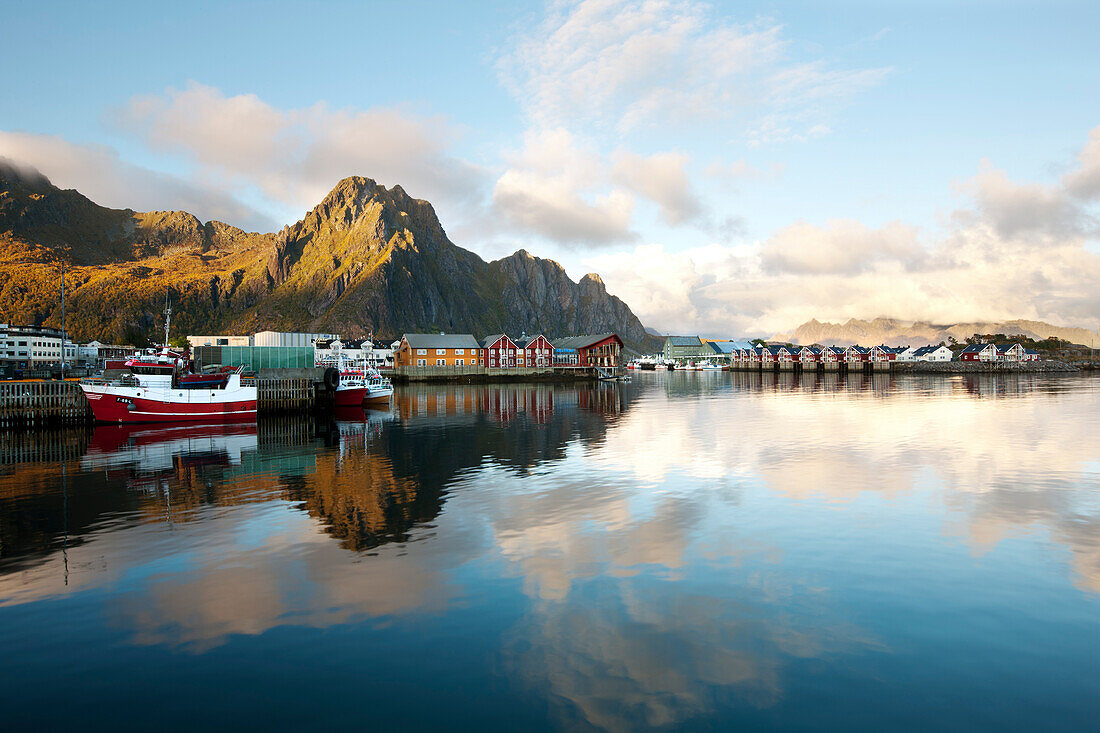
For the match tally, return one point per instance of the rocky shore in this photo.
(973, 367)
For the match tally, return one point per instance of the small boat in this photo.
(379, 389)
(710, 367)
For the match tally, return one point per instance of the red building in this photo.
(602, 350)
(538, 351)
(500, 352)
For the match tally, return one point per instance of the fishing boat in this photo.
(150, 390)
(379, 389)
(153, 387)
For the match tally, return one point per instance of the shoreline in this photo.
(971, 367)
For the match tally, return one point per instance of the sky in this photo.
(729, 169)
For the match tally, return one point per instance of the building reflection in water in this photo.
(670, 546)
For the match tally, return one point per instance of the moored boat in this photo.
(379, 389)
(150, 390)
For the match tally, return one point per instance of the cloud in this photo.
(624, 65)
(661, 178)
(98, 172)
(294, 156)
(842, 246)
(1084, 182)
(1014, 209)
(551, 190)
(1015, 250)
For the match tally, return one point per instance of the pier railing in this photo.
(31, 404)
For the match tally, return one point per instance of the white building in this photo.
(194, 341)
(278, 338)
(28, 347)
(932, 353)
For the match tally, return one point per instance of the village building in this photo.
(932, 353)
(1010, 352)
(538, 351)
(684, 347)
(501, 352)
(979, 352)
(809, 355)
(600, 350)
(437, 349)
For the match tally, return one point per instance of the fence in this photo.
(42, 403)
(284, 395)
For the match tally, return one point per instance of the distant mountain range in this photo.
(366, 258)
(893, 332)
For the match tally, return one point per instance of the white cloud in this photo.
(295, 156)
(842, 246)
(556, 188)
(663, 179)
(1018, 251)
(625, 64)
(98, 172)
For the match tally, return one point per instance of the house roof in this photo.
(723, 347)
(683, 341)
(583, 342)
(525, 341)
(1005, 347)
(492, 339)
(922, 350)
(975, 348)
(441, 341)
(1030, 351)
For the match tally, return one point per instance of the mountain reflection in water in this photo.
(687, 550)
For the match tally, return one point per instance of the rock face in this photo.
(894, 332)
(365, 259)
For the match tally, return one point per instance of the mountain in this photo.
(893, 332)
(367, 258)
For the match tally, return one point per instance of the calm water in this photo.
(699, 551)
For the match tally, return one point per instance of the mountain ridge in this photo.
(365, 259)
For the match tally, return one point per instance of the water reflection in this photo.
(682, 550)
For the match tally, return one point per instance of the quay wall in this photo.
(482, 375)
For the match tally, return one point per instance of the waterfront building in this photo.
(979, 352)
(501, 352)
(808, 355)
(280, 338)
(194, 341)
(30, 347)
(832, 355)
(438, 349)
(538, 350)
(683, 347)
(857, 354)
(885, 353)
(932, 353)
(599, 350)
(1010, 352)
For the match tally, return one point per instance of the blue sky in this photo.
(863, 158)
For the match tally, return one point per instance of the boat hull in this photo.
(128, 405)
(377, 396)
(349, 397)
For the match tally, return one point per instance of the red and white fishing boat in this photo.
(351, 390)
(157, 388)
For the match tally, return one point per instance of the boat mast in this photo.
(167, 318)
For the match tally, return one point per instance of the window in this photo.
(441, 362)
(440, 352)
(422, 362)
(460, 352)
(460, 362)
(421, 352)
